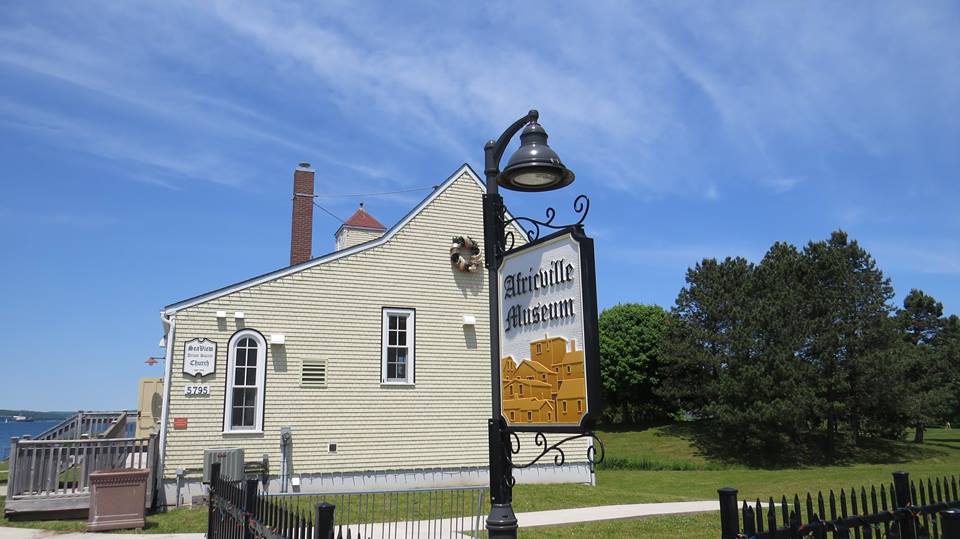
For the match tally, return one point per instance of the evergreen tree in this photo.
(796, 349)
(931, 391)
(732, 354)
(847, 338)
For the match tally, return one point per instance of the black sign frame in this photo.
(591, 334)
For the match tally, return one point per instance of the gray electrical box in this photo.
(231, 463)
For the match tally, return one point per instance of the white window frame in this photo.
(231, 378)
(411, 329)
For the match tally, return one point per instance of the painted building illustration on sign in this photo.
(546, 388)
(340, 368)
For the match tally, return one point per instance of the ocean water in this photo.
(11, 429)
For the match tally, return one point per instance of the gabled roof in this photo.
(572, 357)
(336, 255)
(535, 365)
(572, 389)
(524, 381)
(525, 404)
(362, 219)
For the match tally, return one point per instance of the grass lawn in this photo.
(672, 470)
(175, 521)
(692, 526)
(939, 456)
(4, 470)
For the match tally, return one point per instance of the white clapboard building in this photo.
(373, 359)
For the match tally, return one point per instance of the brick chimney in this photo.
(301, 233)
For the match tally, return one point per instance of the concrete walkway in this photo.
(612, 512)
(418, 529)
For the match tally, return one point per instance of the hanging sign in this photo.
(199, 357)
(549, 343)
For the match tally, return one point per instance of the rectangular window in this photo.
(397, 349)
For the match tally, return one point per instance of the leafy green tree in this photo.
(630, 337)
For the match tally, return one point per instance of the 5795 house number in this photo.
(196, 390)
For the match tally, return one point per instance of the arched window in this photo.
(247, 369)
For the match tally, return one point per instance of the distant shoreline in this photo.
(33, 415)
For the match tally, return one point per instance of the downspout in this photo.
(169, 326)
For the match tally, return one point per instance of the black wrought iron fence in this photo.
(900, 509)
(238, 510)
(401, 513)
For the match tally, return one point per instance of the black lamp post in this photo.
(533, 167)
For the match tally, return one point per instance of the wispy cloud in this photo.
(934, 257)
(680, 257)
(782, 184)
(167, 162)
(620, 88)
(63, 218)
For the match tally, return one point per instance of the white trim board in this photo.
(336, 255)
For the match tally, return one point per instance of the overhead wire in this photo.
(328, 212)
(381, 193)
(352, 195)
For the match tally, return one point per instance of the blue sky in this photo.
(148, 147)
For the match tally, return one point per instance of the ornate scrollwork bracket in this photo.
(581, 207)
(594, 456)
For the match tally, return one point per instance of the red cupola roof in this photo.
(362, 219)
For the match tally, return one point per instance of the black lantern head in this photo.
(535, 166)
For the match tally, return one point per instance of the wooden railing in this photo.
(118, 428)
(89, 424)
(61, 467)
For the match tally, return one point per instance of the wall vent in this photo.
(313, 373)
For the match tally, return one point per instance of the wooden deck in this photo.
(53, 474)
(52, 503)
